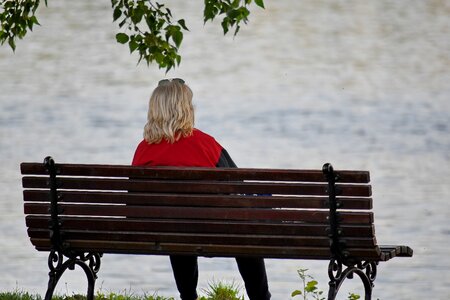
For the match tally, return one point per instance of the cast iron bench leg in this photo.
(90, 263)
(367, 271)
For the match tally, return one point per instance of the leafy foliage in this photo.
(147, 26)
(234, 12)
(149, 30)
(16, 17)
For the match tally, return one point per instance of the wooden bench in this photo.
(79, 212)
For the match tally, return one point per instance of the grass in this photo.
(215, 291)
(20, 295)
(221, 291)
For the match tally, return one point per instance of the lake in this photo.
(363, 85)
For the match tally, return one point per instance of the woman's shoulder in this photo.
(197, 133)
(141, 144)
(204, 138)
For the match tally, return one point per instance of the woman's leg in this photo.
(185, 271)
(253, 272)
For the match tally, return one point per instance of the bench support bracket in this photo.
(367, 272)
(89, 262)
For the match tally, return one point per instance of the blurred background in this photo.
(360, 84)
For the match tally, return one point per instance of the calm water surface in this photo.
(363, 85)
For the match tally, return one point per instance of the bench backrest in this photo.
(271, 213)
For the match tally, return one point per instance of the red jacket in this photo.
(197, 150)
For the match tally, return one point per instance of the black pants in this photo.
(253, 272)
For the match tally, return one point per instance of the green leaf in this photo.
(151, 22)
(260, 3)
(117, 13)
(122, 38)
(177, 37)
(352, 296)
(30, 24)
(225, 25)
(235, 3)
(311, 286)
(183, 24)
(234, 14)
(169, 12)
(136, 17)
(210, 11)
(237, 29)
(12, 44)
(296, 293)
(34, 20)
(244, 12)
(133, 45)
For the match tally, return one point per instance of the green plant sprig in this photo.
(309, 286)
(310, 290)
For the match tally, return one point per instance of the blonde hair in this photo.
(170, 112)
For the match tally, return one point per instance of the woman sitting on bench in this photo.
(170, 139)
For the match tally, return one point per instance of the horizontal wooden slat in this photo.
(203, 238)
(200, 213)
(206, 250)
(183, 238)
(192, 226)
(193, 249)
(320, 202)
(215, 187)
(195, 173)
